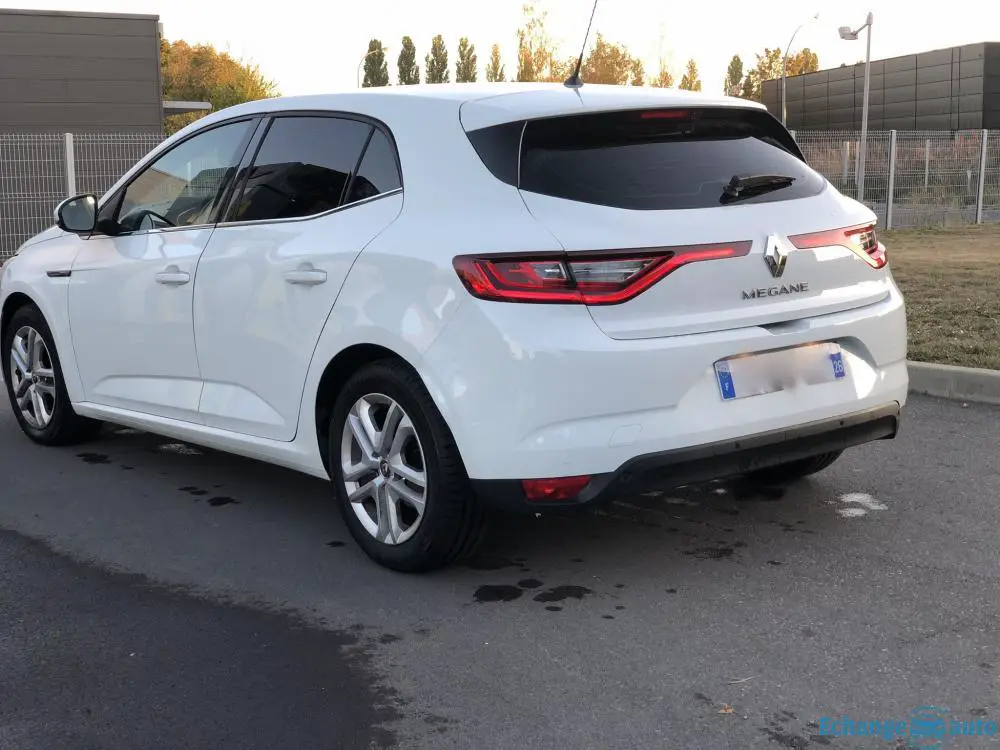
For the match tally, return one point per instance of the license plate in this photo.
(757, 374)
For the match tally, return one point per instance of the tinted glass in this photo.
(302, 168)
(661, 159)
(379, 172)
(183, 187)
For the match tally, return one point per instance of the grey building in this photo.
(79, 72)
(947, 89)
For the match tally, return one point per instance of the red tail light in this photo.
(862, 240)
(551, 490)
(603, 278)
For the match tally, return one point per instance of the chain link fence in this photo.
(911, 178)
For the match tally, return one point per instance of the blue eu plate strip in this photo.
(725, 381)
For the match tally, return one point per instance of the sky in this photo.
(315, 47)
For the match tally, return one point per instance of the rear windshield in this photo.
(647, 159)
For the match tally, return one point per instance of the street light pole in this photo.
(784, 69)
(864, 113)
(852, 34)
(365, 57)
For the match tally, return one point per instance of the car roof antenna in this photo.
(574, 81)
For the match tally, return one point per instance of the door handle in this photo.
(305, 275)
(173, 276)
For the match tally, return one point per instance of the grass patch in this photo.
(951, 282)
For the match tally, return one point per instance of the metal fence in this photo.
(914, 178)
(911, 178)
(39, 170)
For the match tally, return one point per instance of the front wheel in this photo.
(401, 483)
(35, 385)
(789, 472)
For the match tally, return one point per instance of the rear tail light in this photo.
(553, 490)
(604, 278)
(862, 240)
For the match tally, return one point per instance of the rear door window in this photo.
(651, 159)
(302, 168)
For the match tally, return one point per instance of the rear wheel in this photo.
(793, 470)
(400, 481)
(35, 384)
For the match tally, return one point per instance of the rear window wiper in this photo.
(745, 186)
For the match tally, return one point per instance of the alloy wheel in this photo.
(33, 377)
(383, 468)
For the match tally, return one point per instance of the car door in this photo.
(131, 287)
(319, 189)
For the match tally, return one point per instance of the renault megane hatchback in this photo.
(452, 298)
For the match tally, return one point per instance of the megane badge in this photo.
(775, 255)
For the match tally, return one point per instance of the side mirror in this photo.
(77, 214)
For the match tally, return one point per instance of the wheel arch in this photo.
(14, 302)
(336, 373)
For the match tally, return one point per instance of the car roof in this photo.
(485, 104)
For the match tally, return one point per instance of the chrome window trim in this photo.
(310, 217)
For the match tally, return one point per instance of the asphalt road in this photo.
(157, 595)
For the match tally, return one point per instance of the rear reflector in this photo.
(862, 240)
(602, 278)
(554, 490)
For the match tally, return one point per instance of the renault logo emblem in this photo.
(775, 255)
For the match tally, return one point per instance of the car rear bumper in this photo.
(716, 460)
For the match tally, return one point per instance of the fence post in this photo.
(847, 160)
(927, 163)
(980, 192)
(892, 179)
(70, 167)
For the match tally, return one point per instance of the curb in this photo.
(959, 383)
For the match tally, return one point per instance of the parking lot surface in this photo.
(156, 594)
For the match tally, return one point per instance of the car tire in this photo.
(413, 509)
(35, 384)
(793, 470)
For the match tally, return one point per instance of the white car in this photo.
(452, 298)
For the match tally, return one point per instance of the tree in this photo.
(376, 68)
(436, 63)
(495, 69)
(203, 73)
(664, 79)
(465, 66)
(638, 73)
(751, 86)
(768, 68)
(802, 62)
(536, 53)
(406, 65)
(734, 76)
(610, 63)
(690, 80)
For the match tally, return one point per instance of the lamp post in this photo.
(365, 57)
(846, 32)
(784, 67)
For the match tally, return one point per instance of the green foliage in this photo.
(204, 74)
(376, 68)
(436, 63)
(734, 77)
(769, 65)
(408, 72)
(495, 68)
(465, 66)
(690, 80)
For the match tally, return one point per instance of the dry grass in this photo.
(951, 282)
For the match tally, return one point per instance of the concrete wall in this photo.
(950, 89)
(79, 72)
